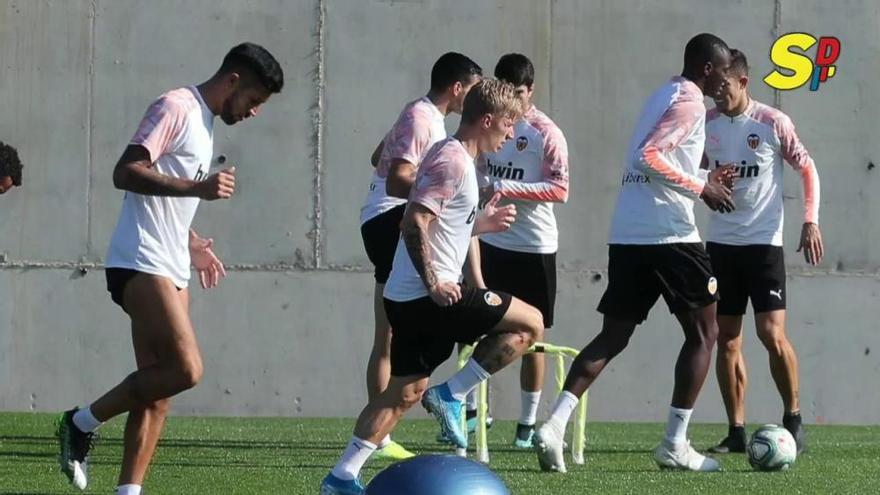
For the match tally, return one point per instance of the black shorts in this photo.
(380, 235)
(639, 274)
(117, 279)
(425, 334)
(527, 276)
(755, 272)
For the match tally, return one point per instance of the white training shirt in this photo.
(152, 233)
(418, 127)
(757, 141)
(531, 172)
(662, 176)
(446, 184)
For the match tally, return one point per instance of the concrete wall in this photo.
(289, 331)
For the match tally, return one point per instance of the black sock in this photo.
(736, 431)
(791, 420)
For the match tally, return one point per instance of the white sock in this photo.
(529, 412)
(677, 425)
(128, 489)
(385, 442)
(87, 423)
(466, 379)
(565, 405)
(472, 401)
(353, 459)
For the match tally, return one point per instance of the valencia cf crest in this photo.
(521, 143)
(754, 140)
(492, 299)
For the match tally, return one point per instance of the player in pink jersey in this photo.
(429, 310)
(745, 246)
(396, 159)
(10, 168)
(531, 172)
(164, 172)
(655, 249)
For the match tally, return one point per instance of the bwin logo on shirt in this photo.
(200, 175)
(743, 171)
(505, 172)
(472, 216)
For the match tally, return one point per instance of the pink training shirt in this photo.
(418, 127)
(446, 184)
(531, 172)
(758, 141)
(662, 176)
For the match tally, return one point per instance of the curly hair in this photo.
(10, 164)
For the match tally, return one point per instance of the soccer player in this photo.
(10, 168)
(655, 249)
(419, 126)
(164, 172)
(531, 172)
(745, 246)
(427, 307)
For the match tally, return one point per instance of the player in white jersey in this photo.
(10, 168)
(396, 159)
(164, 172)
(531, 172)
(745, 246)
(655, 249)
(428, 309)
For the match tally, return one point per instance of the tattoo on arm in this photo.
(415, 237)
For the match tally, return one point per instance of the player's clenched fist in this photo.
(217, 186)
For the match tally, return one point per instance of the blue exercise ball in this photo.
(437, 475)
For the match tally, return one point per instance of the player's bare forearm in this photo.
(415, 238)
(473, 274)
(135, 173)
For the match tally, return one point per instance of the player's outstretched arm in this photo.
(414, 230)
(796, 155)
(135, 172)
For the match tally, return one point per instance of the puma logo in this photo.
(777, 293)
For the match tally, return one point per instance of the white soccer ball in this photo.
(772, 448)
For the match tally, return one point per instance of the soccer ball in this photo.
(772, 448)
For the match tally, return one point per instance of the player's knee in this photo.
(409, 397)
(159, 407)
(728, 344)
(534, 326)
(773, 339)
(191, 371)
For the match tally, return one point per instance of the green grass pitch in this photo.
(291, 456)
